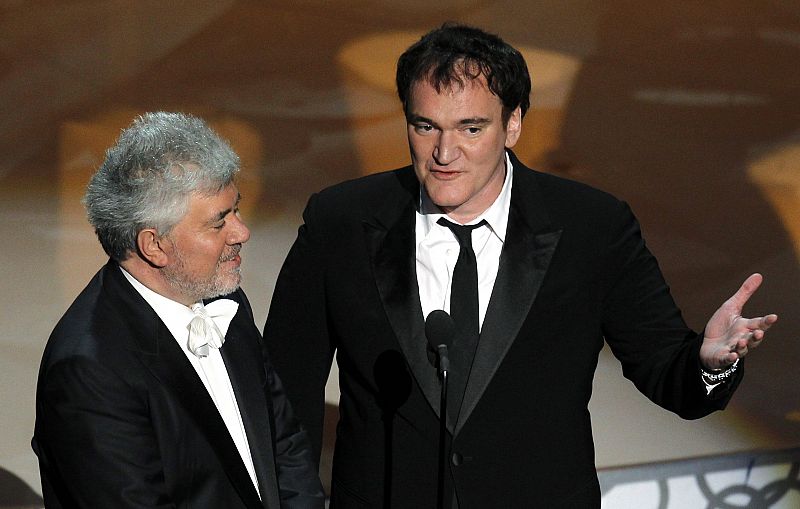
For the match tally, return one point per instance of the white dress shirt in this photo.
(437, 250)
(210, 369)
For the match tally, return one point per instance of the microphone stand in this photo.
(443, 368)
(440, 332)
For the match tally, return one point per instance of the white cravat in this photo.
(210, 324)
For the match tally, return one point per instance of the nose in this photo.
(240, 233)
(446, 150)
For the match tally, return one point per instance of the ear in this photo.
(513, 127)
(152, 247)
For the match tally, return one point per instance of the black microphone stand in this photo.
(443, 368)
(440, 331)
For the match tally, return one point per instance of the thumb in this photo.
(748, 288)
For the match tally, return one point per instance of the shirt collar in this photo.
(175, 315)
(496, 215)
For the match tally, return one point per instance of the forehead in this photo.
(467, 99)
(205, 206)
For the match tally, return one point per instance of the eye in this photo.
(423, 128)
(473, 130)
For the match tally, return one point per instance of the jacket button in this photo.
(457, 459)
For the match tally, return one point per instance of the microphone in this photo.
(440, 330)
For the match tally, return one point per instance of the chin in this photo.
(224, 286)
(442, 197)
(230, 287)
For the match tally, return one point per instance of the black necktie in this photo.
(464, 310)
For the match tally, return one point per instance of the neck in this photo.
(152, 277)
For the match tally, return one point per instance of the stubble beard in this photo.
(221, 282)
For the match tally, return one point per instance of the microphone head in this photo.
(440, 330)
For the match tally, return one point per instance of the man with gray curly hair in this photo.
(154, 389)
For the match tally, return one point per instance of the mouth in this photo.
(233, 256)
(440, 174)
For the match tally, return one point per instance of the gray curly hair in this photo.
(150, 173)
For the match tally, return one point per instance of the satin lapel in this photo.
(157, 349)
(392, 254)
(526, 255)
(243, 361)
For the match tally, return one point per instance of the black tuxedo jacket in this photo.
(574, 271)
(123, 420)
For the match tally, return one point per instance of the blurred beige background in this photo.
(690, 111)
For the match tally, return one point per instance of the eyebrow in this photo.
(413, 119)
(474, 121)
(221, 214)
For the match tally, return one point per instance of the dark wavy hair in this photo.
(453, 53)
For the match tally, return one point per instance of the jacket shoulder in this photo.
(361, 198)
(566, 203)
(101, 322)
(372, 187)
(555, 188)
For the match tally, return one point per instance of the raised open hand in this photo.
(728, 335)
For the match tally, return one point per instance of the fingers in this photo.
(761, 323)
(747, 290)
(752, 330)
(743, 345)
(727, 360)
(752, 334)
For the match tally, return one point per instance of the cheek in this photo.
(208, 255)
(420, 147)
(420, 171)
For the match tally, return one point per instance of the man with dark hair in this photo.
(536, 271)
(153, 391)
